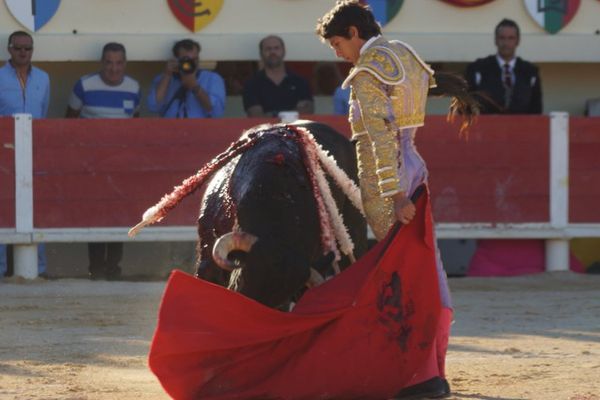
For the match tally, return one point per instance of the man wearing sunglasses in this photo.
(23, 89)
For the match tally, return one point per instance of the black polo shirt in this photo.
(260, 90)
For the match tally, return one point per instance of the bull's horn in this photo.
(229, 242)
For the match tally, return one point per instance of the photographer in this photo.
(185, 91)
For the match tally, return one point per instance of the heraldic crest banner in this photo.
(384, 10)
(195, 15)
(552, 15)
(33, 14)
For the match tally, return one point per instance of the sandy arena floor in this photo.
(535, 337)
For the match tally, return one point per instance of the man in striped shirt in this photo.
(108, 93)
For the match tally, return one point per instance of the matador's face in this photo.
(348, 49)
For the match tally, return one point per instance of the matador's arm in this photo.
(379, 123)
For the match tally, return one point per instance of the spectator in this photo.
(328, 82)
(25, 89)
(275, 88)
(341, 101)
(592, 107)
(183, 90)
(509, 84)
(106, 94)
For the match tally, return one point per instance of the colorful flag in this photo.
(33, 14)
(384, 10)
(468, 3)
(552, 15)
(195, 15)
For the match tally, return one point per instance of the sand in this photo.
(535, 337)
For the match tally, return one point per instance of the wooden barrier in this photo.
(7, 173)
(584, 170)
(92, 179)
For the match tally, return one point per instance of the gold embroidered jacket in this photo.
(389, 86)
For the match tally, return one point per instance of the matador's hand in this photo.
(404, 209)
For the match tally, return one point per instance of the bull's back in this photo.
(267, 190)
(273, 192)
(338, 145)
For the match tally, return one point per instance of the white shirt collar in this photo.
(366, 45)
(501, 62)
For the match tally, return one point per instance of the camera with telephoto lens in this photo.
(187, 65)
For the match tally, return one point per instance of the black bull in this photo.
(266, 193)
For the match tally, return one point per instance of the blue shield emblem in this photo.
(384, 10)
(33, 14)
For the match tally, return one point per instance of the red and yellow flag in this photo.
(195, 15)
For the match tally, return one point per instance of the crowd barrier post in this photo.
(557, 250)
(25, 255)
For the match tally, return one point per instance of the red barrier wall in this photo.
(584, 169)
(7, 173)
(500, 174)
(107, 172)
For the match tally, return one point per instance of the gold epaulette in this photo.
(382, 63)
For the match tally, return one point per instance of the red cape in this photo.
(362, 334)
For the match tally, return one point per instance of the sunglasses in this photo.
(17, 48)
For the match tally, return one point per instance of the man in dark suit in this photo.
(509, 84)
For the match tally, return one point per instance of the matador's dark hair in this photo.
(342, 16)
